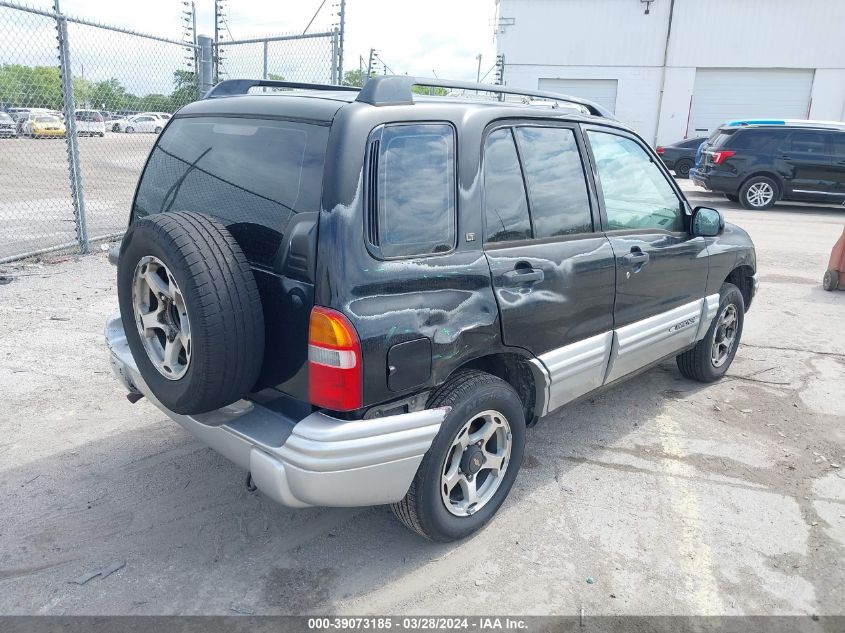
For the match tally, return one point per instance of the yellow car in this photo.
(43, 125)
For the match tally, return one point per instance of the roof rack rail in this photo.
(397, 90)
(232, 87)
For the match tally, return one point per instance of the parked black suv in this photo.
(759, 164)
(365, 297)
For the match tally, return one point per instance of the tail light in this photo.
(334, 361)
(660, 150)
(721, 156)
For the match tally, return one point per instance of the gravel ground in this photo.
(673, 497)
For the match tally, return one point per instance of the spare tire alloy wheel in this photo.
(162, 318)
(475, 466)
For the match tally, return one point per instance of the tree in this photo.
(110, 95)
(429, 90)
(185, 89)
(354, 78)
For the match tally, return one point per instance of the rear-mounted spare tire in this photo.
(191, 311)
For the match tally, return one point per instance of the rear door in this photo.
(837, 142)
(661, 270)
(553, 272)
(808, 165)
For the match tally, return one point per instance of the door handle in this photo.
(636, 258)
(523, 275)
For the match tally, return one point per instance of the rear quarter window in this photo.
(412, 197)
(253, 174)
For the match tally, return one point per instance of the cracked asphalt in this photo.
(674, 497)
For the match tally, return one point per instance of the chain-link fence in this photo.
(312, 57)
(81, 104)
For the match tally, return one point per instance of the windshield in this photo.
(46, 119)
(5, 117)
(253, 174)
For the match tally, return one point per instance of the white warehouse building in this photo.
(674, 69)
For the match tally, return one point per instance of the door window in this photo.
(505, 202)
(838, 141)
(636, 194)
(557, 188)
(807, 143)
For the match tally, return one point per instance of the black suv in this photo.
(365, 297)
(759, 164)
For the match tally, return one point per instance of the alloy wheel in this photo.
(760, 194)
(725, 336)
(476, 463)
(162, 318)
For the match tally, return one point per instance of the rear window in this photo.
(253, 174)
(720, 137)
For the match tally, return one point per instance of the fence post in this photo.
(333, 78)
(206, 56)
(71, 139)
(341, 43)
(265, 75)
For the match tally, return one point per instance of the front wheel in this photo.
(157, 130)
(130, 129)
(830, 282)
(710, 359)
(472, 463)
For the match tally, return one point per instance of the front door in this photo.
(661, 270)
(553, 274)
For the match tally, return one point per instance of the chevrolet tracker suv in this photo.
(757, 164)
(365, 296)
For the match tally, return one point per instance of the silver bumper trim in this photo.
(318, 460)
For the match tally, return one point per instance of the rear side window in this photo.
(557, 187)
(412, 201)
(505, 203)
(252, 174)
(755, 139)
(838, 140)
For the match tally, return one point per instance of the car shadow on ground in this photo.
(191, 534)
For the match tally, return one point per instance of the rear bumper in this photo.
(315, 461)
(716, 181)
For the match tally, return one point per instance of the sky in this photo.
(418, 38)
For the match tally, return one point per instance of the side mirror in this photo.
(707, 222)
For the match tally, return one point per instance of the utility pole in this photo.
(370, 64)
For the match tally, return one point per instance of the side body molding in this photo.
(568, 372)
(575, 369)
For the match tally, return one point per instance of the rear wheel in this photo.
(158, 130)
(130, 129)
(732, 197)
(830, 281)
(682, 168)
(710, 359)
(472, 463)
(758, 193)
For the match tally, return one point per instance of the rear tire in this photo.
(759, 193)
(478, 401)
(830, 282)
(158, 130)
(682, 168)
(711, 357)
(184, 282)
(130, 129)
(732, 197)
